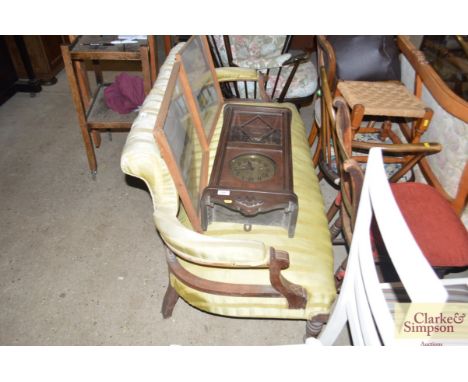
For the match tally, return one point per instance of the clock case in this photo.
(259, 130)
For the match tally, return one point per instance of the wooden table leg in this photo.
(153, 53)
(167, 44)
(96, 138)
(98, 72)
(83, 82)
(145, 67)
(80, 109)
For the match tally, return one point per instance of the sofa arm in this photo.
(232, 73)
(209, 250)
(297, 57)
(235, 74)
(141, 159)
(264, 63)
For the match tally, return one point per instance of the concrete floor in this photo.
(80, 260)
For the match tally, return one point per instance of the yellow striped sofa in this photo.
(225, 253)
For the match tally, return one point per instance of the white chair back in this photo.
(362, 301)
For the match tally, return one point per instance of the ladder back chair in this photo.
(387, 100)
(338, 143)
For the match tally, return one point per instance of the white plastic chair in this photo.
(363, 300)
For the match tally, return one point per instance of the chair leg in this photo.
(318, 151)
(315, 324)
(340, 274)
(335, 229)
(313, 133)
(96, 138)
(422, 125)
(334, 208)
(357, 115)
(170, 299)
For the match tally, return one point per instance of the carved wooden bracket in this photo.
(262, 80)
(249, 205)
(295, 294)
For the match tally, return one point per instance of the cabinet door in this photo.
(44, 53)
(8, 75)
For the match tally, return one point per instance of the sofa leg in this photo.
(315, 324)
(170, 299)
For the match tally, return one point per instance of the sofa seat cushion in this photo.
(437, 229)
(310, 251)
(250, 46)
(303, 84)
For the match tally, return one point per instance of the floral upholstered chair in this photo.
(289, 77)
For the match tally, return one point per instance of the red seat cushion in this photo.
(434, 224)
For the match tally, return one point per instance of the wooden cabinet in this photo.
(44, 54)
(8, 75)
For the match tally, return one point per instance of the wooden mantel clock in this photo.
(252, 181)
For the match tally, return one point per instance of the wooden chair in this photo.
(378, 102)
(365, 303)
(338, 144)
(398, 159)
(431, 219)
(289, 77)
(387, 100)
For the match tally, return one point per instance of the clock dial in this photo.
(252, 168)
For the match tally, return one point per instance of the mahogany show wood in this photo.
(252, 179)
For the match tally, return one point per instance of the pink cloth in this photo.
(125, 94)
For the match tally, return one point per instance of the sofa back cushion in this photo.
(251, 47)
(141, 156)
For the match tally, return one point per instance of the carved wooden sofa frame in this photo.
(227, 271)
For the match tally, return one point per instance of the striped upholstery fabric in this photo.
(227, 245)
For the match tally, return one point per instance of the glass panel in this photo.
(182, 138)
(201, 82)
